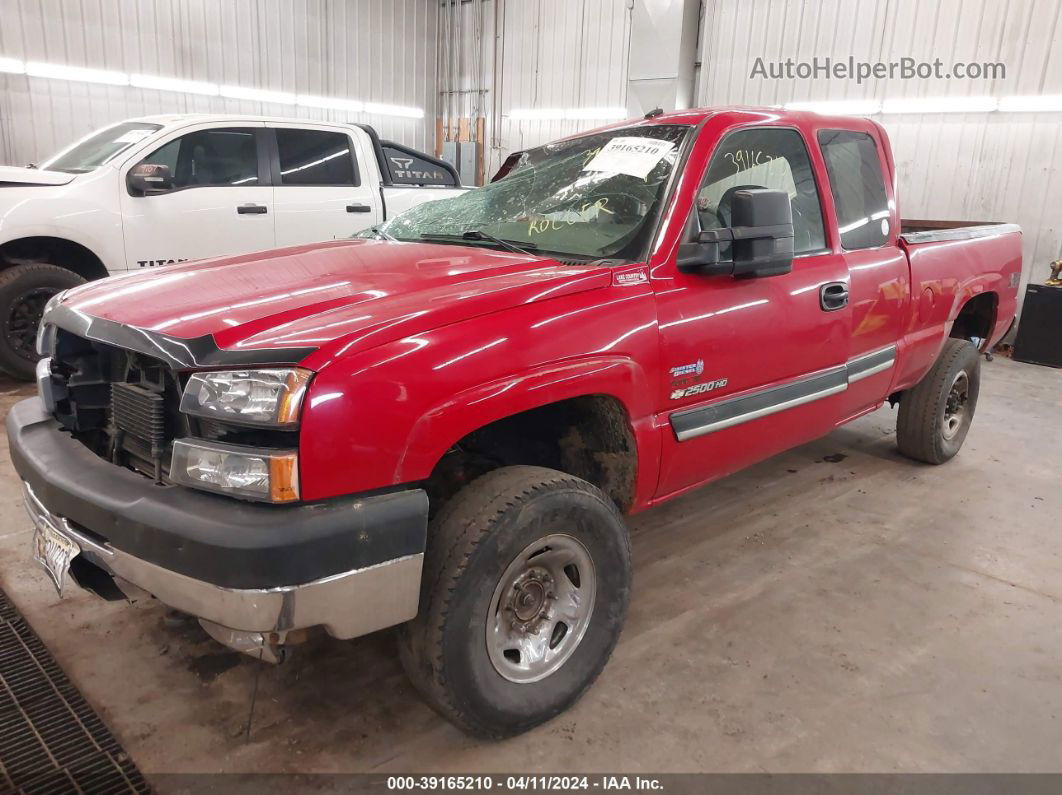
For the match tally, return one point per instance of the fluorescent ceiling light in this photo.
(78, 73)
(843, 107)
(178, 86)
(12, 65)
(173, 84)
(940, 105)
(257, 95)
(394, 110)
(555, 114)
(1031, 104)
(330, 103)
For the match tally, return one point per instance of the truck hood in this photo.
(14, 175)
(360, 292)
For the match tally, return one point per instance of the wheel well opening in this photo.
(55, 251)
(589, 437)
(976, 319)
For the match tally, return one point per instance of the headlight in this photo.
(251, 397)
(255, 473)
(46, 332)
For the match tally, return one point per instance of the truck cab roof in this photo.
(181, 119)
(750, 113)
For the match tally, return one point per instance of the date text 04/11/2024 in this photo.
(539, 783)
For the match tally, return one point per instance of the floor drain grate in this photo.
(50, 739)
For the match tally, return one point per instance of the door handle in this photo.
(833, 296)
(251, 209)
(359, 208)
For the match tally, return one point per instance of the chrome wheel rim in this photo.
(956, 406)
(541, 608)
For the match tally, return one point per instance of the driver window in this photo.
(224, 156)
(763, 158)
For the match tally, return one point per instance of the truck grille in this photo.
(121, 404)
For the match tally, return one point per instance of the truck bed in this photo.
(921, 231)
(953, 262)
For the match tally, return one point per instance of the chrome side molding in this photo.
(691, 423)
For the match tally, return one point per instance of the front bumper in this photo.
(351, 565)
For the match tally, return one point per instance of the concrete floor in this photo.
(859, 613)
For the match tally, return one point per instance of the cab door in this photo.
(320, 188)
(751, 366)
(881, 278)
(220, 201)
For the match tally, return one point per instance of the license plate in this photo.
(53, 551)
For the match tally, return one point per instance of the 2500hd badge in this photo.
(698, 389)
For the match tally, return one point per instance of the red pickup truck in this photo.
(441, 425)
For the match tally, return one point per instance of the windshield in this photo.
(592, 197)
(90, 153)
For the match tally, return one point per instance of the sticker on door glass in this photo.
(132, 136)
(630, 155)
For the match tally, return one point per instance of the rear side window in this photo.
(315, 157)
(407, 168)
(858, 188)
(223, 156)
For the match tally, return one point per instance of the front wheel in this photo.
(24, 290)
(935, 415)
(525, 588)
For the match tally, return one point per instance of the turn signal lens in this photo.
(295, 384)
(284, 477)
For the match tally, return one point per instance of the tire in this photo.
(24, 290)
(934, 419)
(480, 543)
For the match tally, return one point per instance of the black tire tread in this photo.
(453, 537)
(16, 367)
(917, 425)
(13, 273)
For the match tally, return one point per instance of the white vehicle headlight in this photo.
(251, 397)
(255, 473)
(46, 332)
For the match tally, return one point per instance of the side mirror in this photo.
(761, 238)
(147, 178)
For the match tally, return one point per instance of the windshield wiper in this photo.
(477, 235)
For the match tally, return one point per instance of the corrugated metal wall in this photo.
(550, 54)
(561, 54)
(969, 166)
(373, 50)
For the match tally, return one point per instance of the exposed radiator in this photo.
(141, 413)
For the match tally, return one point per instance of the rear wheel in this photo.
(935, 415)
(24, 290)
(525, 589)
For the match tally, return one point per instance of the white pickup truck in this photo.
(163, 189)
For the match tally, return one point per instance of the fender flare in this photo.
(973, 288)
(43, 230)
(617, 377)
